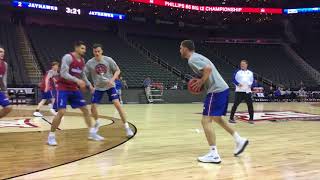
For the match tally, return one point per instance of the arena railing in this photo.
(156, 59)
(225, 58)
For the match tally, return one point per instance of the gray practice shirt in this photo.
(215, 82)
(101, 71)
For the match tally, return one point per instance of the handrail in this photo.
(150, 55)
(155, 58)
(300, 61)
(31, 55)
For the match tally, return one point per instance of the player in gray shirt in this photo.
(103, 71)
(216, 102)
(215, 83)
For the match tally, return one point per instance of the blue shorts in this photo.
(97, 96)
(4, 100)
(47, 95)
(74, 98)
(216, 104)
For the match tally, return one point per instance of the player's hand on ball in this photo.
(197, 85)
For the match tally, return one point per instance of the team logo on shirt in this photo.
(101, 69)
(76, 70)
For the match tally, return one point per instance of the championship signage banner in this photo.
(211, 8)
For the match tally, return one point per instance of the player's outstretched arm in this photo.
(84, 76)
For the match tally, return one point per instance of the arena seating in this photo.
(308, 49)
(165, 48)
(16, 73)
(270, 61)
(51, 43)
(168, 50)
(307, 33)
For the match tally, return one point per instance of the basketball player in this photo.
(104, 71)
(216, 102)
(242, 79)
(47, 89)
(71, 78)
(4, 100)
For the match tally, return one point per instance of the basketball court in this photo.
(168, 139)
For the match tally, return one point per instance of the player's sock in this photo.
(98, 121)
(126, 125)
(37, 110)
(97, 125)
(94, 136)
(52, 139)
(52, 134)
(236, 137)
(213, 149)
(129, 132)
(92, 130)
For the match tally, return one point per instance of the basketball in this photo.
(192, 90)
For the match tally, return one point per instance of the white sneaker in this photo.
(211, 157)
(240, 146)
(52, 141)
(37, 114)
(95, 137)
(129, 132)
(53, 112)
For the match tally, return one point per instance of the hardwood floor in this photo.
(168, 141)
(24, 150)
